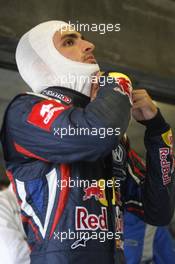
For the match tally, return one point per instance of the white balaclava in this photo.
(42, 66)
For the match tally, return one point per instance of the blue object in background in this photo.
(147, 244)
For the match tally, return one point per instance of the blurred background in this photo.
(144, 48)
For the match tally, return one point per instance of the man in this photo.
(41, 152)
(14, 248)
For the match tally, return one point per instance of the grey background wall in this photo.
(146, 41)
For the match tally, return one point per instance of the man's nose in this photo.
(87, 46)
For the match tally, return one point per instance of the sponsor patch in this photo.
(124, 83)
(168, 138)
(86, 221)
(64, 98)
(80, 243)
(43, 114)
(165, 165)
(96, 191)
(118, 154)
(93, 191)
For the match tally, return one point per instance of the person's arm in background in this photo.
(157, 192)
(14, 248)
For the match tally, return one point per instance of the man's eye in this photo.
(68, 42)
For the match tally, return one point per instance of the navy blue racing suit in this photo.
(61, 177)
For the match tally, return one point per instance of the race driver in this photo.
(39, 158)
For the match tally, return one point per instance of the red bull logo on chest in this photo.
(86, 221)
(93, 191)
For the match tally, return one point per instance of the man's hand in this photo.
(143, 106)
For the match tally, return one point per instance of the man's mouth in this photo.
(90, 59)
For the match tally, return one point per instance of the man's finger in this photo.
(139, 104)
(140, 96)
(139, 91)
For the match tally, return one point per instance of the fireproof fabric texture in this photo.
(42, 66)
(13, 245)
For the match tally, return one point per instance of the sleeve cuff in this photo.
(156, 125)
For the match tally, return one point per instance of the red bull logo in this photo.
(125, 86)
(86, 221)
(165, 165)
(93, 191)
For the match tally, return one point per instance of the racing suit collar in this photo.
(67, 96)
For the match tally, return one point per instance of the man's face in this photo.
(73, 46)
